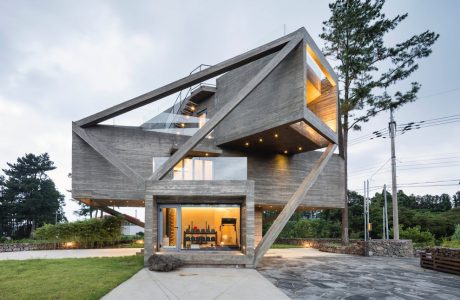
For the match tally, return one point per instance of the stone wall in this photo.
(444, 252)
(400, 248)
(25, 247)
(354, 248)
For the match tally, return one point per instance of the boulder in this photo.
(164, 263)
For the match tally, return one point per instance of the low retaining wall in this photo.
(392, 248)
(25, 247)
(389, 248)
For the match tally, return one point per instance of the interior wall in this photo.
(202, 216)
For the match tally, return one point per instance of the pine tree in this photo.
(355, 38)
(30, 196)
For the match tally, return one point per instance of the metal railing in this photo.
(178, 103)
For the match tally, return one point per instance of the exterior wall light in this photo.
(300, 148)
(246, 144)
(261, 140)
(276, 135)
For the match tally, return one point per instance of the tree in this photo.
(355, 38)
(30, 197)
(456, 199)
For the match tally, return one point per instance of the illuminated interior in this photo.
(321, 91)
(202, 227)
(211, 227)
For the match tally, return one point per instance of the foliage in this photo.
(87, 233)
(305, 228)
(418, 237)
(456, 199)
(75, 278)
(456, 235)
(29, 197)
(426, 214)
(355, 37)
(450, 243)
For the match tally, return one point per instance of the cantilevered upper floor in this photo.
(260, 120)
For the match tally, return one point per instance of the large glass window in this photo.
(207, 168)
(206, 227)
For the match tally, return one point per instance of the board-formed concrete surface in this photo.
(197, 283)
(73, 253)
(311, 274)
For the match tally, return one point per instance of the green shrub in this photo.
(418, 237)
(306, 228)
(456, 235)
(86, 233)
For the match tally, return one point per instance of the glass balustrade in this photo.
(206, 168)
(175, 124)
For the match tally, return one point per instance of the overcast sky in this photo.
(61, 61)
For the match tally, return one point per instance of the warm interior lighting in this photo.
(276, 135)
(69, 244)
(246, 144)
(285, 152)
(207, 154)
(192, 108)
(182, 125)
(300, 148)
(261, 140)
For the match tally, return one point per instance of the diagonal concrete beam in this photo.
(225, 110)
(288, 210)
(113, 212)
(108, 155)
(191, 80)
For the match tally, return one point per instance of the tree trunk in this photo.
(345, 238)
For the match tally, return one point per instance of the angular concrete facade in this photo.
(252, 141)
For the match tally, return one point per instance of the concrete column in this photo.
(148, 229)
(249, 205)
(257, 226)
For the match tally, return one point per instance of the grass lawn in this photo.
(70, 278)
(285, 246)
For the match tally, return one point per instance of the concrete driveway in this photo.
(197, 283)
(310, 274)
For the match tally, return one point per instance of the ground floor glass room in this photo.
(199, 227)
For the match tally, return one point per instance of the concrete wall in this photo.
(279, 99)
(276, 176)
(94, 177)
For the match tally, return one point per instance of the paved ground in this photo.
(197, 283)
(310, 274)
(77, 253)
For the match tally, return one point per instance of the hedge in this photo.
(86, 233)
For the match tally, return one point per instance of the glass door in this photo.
(169, 233)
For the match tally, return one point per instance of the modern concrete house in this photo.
(261, 138)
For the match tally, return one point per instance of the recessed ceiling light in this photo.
(285, 152)
(207, 154)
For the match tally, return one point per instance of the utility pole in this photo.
(365, 211)
(394, 189)
(385, 213)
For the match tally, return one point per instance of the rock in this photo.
(164, 263)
